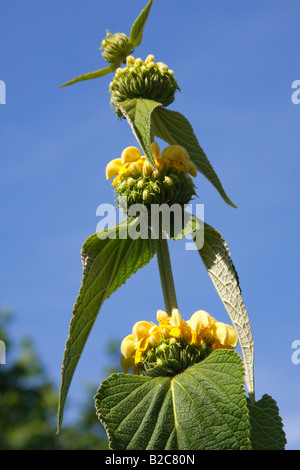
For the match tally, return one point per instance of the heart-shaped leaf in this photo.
(204, 408)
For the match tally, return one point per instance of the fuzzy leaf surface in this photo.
(138, 113)
(217, 260)
(266, 425)
(175, 129)
(136, 33)
(204, 408)
(107, 264)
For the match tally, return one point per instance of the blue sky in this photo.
(235, 63)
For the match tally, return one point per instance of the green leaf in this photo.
(204, 408)
(175, 129)
(217, 260)
(136, 33)
(266, 425)
(107, 264)
(138, 113)
(91, 75)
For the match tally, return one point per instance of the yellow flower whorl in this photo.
(149, 348)
(136, 179)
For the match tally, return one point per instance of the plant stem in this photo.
(166, 276)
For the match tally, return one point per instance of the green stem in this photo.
(166, 276)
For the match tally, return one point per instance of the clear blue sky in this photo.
(235, 63)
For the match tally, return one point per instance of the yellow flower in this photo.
(140, 330)
(205, 327)
(130, 154)
(128, 346)
(225, 335)
(175, 153)
(200, 331)
(113, 168)
(133, 163)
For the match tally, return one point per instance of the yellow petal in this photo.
(195, 323)
(191, 168)
(115, 181)
(126, 364)
(155, 149)
(206, 320)
(176, 153)
(162, 164)
(138, 356)
(231, 339)
(176, 319)
(178, 165)
(220, 332)
(130, 154)
(112, 169)
(162, 317)
(141, 329)
(125, 170)
(128, 346)
(176, 332)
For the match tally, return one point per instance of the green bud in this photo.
(171, 357)
(156, 174)
(130, 181)
(140, 184)
(148, 80)
(116, 47)
(168, 182)
(172, 187)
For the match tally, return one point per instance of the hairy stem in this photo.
(166, 276)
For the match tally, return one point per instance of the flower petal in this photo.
(141, 329)
(130, 154)
(231, 340)
(220, 333)
(162, 317)
(128, 346)
(113, 167)
(206, 320)
(126, 364)
(176, 319)
(191, 168)
(176, 153)
(155, 150)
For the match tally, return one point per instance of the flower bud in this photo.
(147, 169)
(130, 181)
(148, 80)
(116, 47)
(156, 174)
(135, 169)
